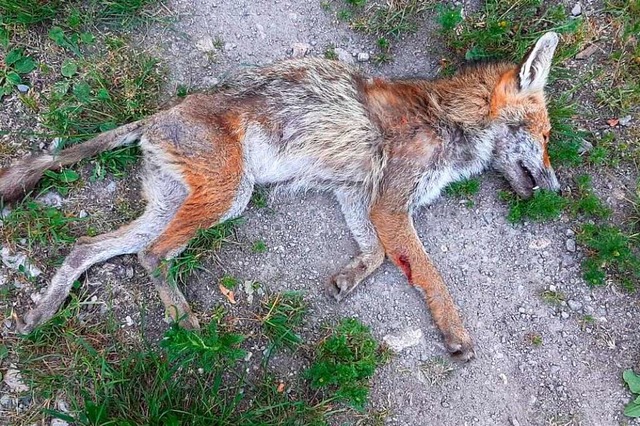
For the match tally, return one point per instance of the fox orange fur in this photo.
(383, 147)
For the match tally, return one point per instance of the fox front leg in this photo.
(402, 245)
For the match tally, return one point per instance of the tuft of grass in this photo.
(437, 371)
(37, 224)
(464, 189)
(330, 52)
(260, 197)
(554, 298)
(209, 350)
(586, 203)
(259, 247)
(281, 315)
(610, 253)
(390, 20)
(544, 205)
(345, 361)
(566, 143)
(229, 282)
(202, 245)
(535, 339)
(122, 13)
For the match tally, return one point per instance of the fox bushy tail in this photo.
(20, 178)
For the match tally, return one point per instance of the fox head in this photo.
(518, 104)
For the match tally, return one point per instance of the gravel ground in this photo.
(537, 363)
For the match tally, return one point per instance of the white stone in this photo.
(576, 10)
(19, 262)
(363, 57)
(13, 379)
(405, 339)
(206, 45)
(540, 243)
(50, 199)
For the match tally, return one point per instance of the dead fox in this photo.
(383, 147)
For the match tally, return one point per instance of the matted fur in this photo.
(384, 147)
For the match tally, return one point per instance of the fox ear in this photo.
(535, 69)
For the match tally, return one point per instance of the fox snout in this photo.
(526, 176)
(534, 178)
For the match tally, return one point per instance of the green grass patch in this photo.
(633, 381)
(16, 66)
(586, 203)
(610, 253)
(330, 53)
(505, 30)
(385, 20)
(202, 245)
(99, 94)
(553, 297)
(260, 197)
(281, 315)
(543, 206)
(565, 142)
(193, 377)
(620, 88)
(37, 224)
(464, 189)
(29, 12)
(345, 362)
(229, 282)
(259, 247)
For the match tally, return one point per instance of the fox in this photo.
(383, 146)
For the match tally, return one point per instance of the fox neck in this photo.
(465, 99)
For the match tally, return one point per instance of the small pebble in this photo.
(624, 121)
(564, 315)
(363, 57)
(343, 55)
(22, 88)
(571, 245)
(576, 10)
(574, 305)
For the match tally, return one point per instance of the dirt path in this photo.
(537, 363)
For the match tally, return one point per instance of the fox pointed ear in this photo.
(535, 69)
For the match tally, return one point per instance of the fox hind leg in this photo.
(128, 239)
(215, 198)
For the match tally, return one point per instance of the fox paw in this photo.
(460, 346)
(340, 285)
